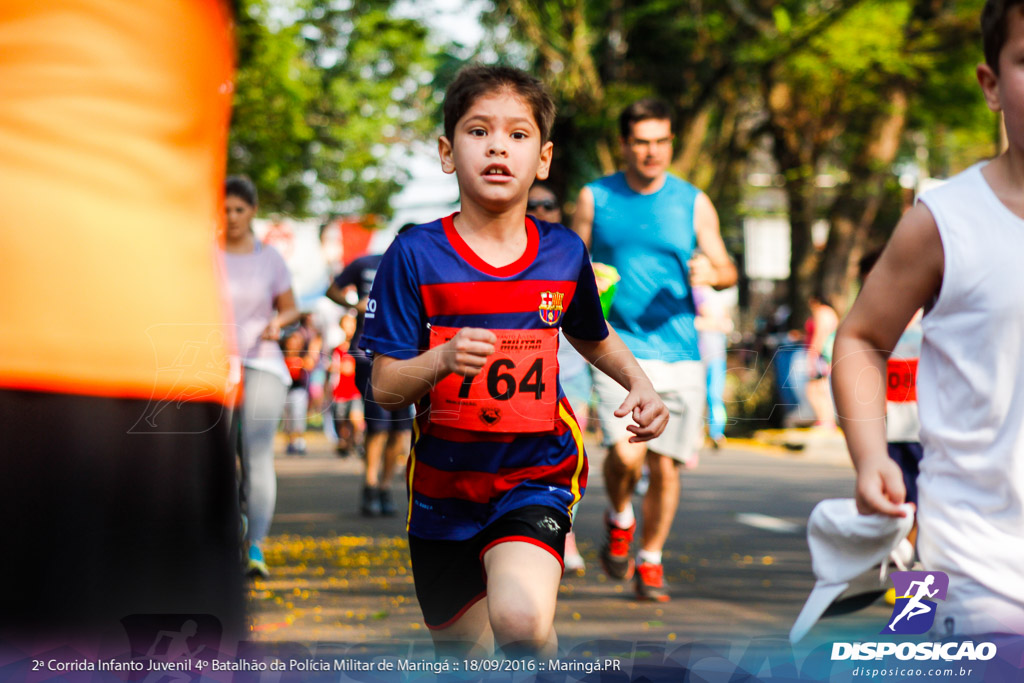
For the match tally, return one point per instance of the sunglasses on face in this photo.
(546, 204)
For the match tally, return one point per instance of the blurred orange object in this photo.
(114, 121)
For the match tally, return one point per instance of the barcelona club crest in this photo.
(551, 307)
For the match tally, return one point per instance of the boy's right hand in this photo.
(467, 351)
(648, 410)
(880, 488)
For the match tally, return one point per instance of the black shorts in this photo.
(450, 576)
(907, 455)
(377, 418)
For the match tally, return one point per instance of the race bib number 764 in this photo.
(515, 392)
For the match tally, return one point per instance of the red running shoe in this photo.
(650, 582)
(615, 557)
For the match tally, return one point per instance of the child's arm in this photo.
(399, 383)
(907, 276)
(613, 358)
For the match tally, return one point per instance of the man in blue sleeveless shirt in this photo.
(649, 225)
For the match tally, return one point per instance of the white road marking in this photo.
(779, 526)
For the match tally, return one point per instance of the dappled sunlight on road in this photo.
(336, 588)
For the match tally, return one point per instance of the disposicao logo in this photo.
(914, 614)
(916, 592)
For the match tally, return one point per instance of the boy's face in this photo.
(647, 151)
(1005, 92)
(497, 152)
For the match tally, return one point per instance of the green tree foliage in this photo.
(704, 58)
(841, 105)
(848, 89)
(327, 94)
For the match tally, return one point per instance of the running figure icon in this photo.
(914, 606)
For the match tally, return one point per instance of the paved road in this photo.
(737, 560)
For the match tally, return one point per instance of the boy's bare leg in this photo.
(522, 587)
(469, 637)
(622, 468)
(661, 501)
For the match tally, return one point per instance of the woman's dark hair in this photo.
(240, 186)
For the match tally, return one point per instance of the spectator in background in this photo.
(348, 405)
(388, 434)
(713, 327)
(261, 296)
(821, 333)
(317, 363)
(300, 363)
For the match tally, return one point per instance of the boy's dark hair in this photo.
(642, 110)
(240, 186)
(473, 82)
(993, 28)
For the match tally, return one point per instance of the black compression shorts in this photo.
(449, 575)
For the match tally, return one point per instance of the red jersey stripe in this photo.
(483, 487)
(489, 298)
(464, 436)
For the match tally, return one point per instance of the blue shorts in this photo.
(907, 454)
(377, 418)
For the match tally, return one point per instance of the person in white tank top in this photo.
(957, 254)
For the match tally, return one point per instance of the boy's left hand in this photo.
(649, 413)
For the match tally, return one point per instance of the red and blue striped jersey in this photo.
(460, 480)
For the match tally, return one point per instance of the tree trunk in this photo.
(802, 257)
(795, 154)
(692, 141)
(856, 206)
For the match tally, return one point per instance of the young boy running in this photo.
(956, 253)
(463, 318)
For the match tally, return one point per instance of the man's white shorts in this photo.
(681, 385)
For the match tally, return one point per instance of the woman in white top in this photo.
(263, 303)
